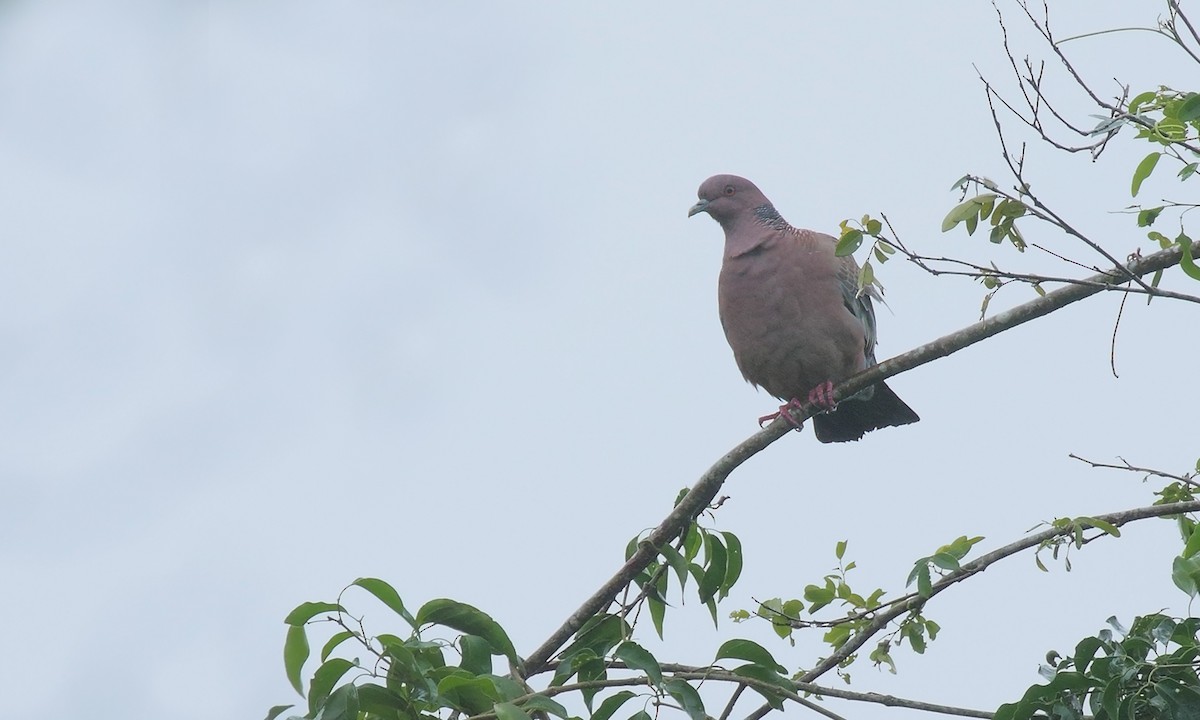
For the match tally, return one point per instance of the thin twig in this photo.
(1187, 479)
(1112, 350)
(737, 693)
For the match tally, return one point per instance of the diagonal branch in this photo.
(980, 564)
(709, 484)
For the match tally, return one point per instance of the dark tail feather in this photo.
(853, 418)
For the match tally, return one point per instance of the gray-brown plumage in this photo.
(792, 311)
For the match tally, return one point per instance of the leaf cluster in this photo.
(1149, 671)
(710, 558)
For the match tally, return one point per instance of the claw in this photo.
(786, 414)
(822, 396)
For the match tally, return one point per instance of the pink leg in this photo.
(785, 413)
(822, 396)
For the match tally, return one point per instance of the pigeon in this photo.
(794, 315)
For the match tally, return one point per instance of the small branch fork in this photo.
(1149, 472)
(1031, 79)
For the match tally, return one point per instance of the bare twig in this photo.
(1112, 350)
(737, 694)
(1186, 479)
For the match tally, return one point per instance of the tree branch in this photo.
(690, 672)
(1185, 479)
(709, 484)
(979, 565)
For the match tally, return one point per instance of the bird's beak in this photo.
(699, 207)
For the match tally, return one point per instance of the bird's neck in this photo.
(747, 232)
(769, 216)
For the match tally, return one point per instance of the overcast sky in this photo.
(294, 292)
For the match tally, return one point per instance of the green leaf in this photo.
(612, 704)
(467, 619)
(468, 693)
(1185, 261)
(598, 635)
(1144, 168)
(342, 704)
(307, 611)
(818, 597)
(1104, 525)
(1193, 544)
(333, 642)
(1190, 109)
(873, 226)
(714, 574)
(323, 681)
(945, 561)
(1188, 171)
(881, 656)
(1136, 103)
(687, 697)
(866, 275)
(768, 677)
(677, 563)
(932, 629)
(986, 204)
(508, 711)
(839, 550)
(749, 651)
(387, 595)
(277, 711)
(658, 613)
(638, 658)
(848, 243)
(1146, 218)
(632, 546)
(711, 604)
(692, 542)
(476, 655)
(1185, 573)
(959, 213)
(916, 639)
(545, 704)
(733, 562)
(380, 701)
(837, 635)
(295, 652)
(1017, 239)
(924, 586)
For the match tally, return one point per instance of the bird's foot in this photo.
(822, 396)
(785, 412)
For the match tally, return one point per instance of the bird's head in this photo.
(727, 197)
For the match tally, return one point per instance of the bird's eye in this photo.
(729, 190)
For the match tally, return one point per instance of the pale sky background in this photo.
(295, 292)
